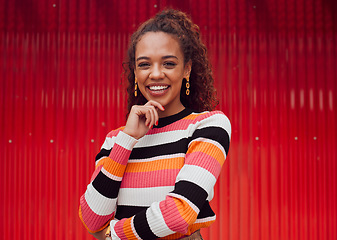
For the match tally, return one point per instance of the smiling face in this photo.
(160, 70)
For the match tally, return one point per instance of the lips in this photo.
(157, 89)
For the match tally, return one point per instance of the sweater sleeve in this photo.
(194, 184)
(98, 203)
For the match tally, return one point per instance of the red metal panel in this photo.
(275, 68)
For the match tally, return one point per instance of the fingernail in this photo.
(151, 127)
(157, 123)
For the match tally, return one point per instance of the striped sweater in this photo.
(160, 185)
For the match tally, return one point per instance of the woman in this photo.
(154, 177)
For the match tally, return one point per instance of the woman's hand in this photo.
(100, 235)
(142, 118)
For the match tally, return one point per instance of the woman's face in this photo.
(160, 70)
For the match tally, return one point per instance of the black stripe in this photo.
(128, 211)
(160, 150)
(214, 133)
(142, 227)
(173, 118)
(103, 153)
(107, 187)
(192, 192)
(206, 211)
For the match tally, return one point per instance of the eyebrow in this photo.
(164, 57)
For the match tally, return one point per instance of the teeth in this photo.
(158, 88)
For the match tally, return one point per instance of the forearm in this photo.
(98, 203)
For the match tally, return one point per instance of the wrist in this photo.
(131, 134)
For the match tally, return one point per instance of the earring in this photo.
(187, 85)
(136, 87)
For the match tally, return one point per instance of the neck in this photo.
(169, 111)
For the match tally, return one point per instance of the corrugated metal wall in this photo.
(61, 92)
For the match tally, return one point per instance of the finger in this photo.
(152, 111)
(155, 104)
(147, 114)
(152, 104)
(153, 115)
(156, 117)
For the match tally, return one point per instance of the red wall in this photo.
(275, 66)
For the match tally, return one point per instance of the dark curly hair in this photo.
(202, 92)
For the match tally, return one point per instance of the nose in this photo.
(156, 72)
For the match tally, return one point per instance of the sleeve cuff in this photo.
(112, 229)
(126, 141)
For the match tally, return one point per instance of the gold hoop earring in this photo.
(187, 86)
(136, 87)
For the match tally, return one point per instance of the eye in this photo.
(143, 65)
(170, 64)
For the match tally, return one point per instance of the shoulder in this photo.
(212, 127)
(211, 119)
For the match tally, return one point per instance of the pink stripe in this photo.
(172, 217)
(90, 218)
(119, 229)
(158, 178)
(97, 170)
(205, 161)
(182, 125)
(120, 154)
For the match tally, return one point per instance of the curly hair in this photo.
(202, 92)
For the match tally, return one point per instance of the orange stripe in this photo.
(185, 210)
(194, 116)
(161, 164)
(100, 162)
(207, 148)
(113, 167)
(128, 230)
(191, 229)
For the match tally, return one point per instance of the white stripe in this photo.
(156, 221)
(142, 197)
(98, 203)
(111, 176)
(163, 137)
(198, 176)
(161, 157)
(210, 195)
(217, 144)
(207, 219)
(195, 208)
(125, 141)
(108, 143)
